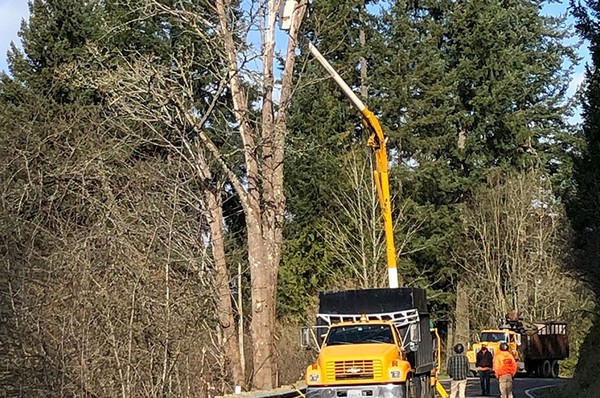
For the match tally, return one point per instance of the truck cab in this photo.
(358, 353)
(537, 347)
(492, 339)
(387, 351)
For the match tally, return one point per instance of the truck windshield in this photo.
(359, 334)
(491, 337)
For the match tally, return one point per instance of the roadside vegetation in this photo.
(178, 181)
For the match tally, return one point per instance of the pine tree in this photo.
(416, 103)
(585, 208)
(55, 35)
(461, 88)
(506, 60)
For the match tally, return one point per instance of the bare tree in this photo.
(519, 245)
(163, 97)
(104, 271)
(263, 200)
(355, 234)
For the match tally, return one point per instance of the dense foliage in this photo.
(584, 206)
(464, 89)
(123, 166)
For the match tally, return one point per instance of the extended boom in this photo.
(380, 173)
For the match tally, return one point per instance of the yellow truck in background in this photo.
(537, 347)
(373, 343)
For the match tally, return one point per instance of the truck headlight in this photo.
(314, 377)
(395, 374)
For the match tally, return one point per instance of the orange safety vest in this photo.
(504, 364)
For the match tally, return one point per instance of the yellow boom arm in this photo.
(380, 173)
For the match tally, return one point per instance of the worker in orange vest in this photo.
(505, 367)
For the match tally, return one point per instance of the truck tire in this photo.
(405, 389)
(531, 369)
(427, 390)
(539, 369)
(420, 386)
(555, 369)
(414, 389)
(546, 368)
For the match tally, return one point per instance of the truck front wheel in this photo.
(421, 386)
(404, 390)
(415, 387)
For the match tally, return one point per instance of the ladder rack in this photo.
(399, 318)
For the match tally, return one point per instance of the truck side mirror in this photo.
(415, 333)
(305, 337)
(308, 338)
(412, 346)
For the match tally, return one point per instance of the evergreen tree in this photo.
(507, 62)
(585, 209)
(485, 89)
(55, 35)
(416, 103)
(461, 88)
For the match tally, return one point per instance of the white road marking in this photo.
(530, 394)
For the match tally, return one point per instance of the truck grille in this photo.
(354, 370)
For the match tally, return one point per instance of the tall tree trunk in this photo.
(261, 326)
(461, 323)
(273, 207)
(263, 198)
(214, 215)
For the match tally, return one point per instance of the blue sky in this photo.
(11, 14)
(13, 11)
(560, 8)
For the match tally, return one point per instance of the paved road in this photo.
(520, 386)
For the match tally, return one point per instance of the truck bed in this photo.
(549, 341)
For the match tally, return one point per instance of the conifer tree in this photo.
(55, 34)
(461, 88)
(485, 90)
(585, 208)
(507, 62)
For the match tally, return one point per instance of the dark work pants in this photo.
(484, 378)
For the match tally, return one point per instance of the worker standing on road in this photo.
(484, 363)
(458, 370)
(505, 367)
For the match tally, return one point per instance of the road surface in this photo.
(520, 386)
